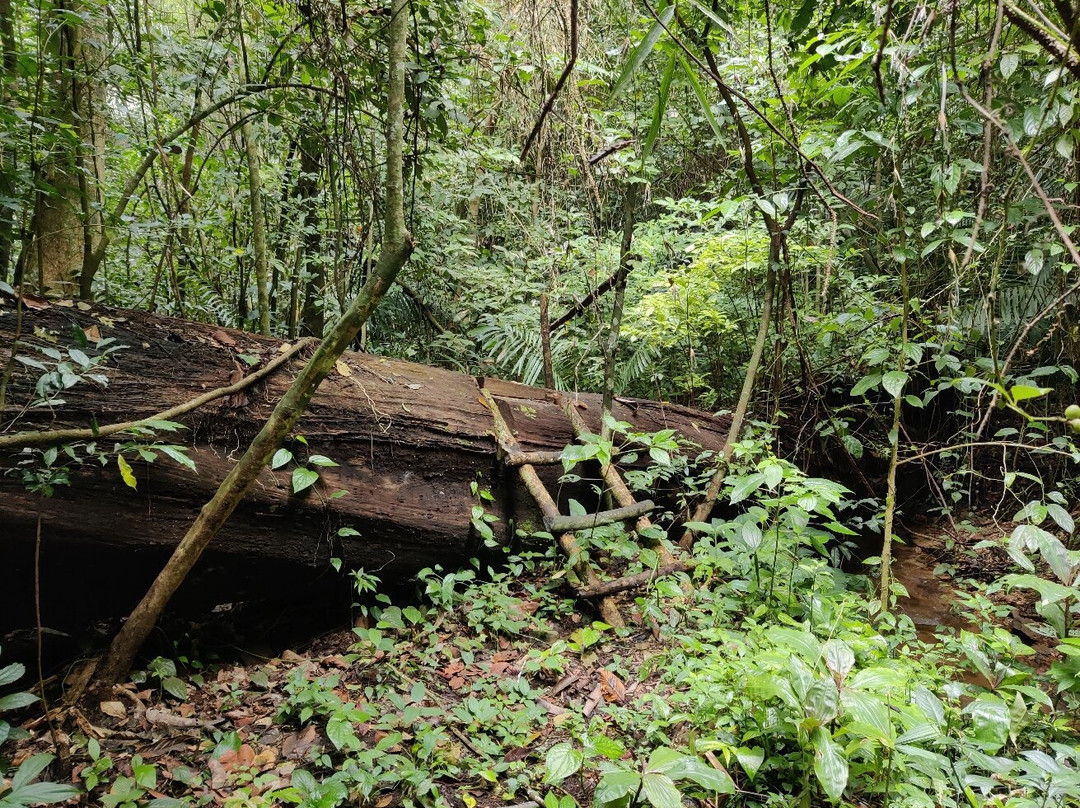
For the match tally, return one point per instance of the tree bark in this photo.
(408, 439)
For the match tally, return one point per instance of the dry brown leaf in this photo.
(457, 682)
(93, 333)
(612, 687)
(342, 368)
(452, 667)
(223, 337)
(265, 759)
(219, 775)
(115, 709)
(297, 744)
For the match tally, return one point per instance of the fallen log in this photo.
(409, 442)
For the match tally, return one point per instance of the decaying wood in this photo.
(56, 437)
(560, 523)
(533, 459)
(633, 581)
(409, 441)
(567, 542)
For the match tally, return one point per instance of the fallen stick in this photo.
(633, 581)
(59, 436)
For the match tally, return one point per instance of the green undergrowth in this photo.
(765, 677)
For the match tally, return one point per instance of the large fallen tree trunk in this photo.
(409, 441)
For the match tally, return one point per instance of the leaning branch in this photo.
(567, 70)
(582, 305)
(57, 437)
(397, 246)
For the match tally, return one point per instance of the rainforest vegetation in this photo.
(841, 230)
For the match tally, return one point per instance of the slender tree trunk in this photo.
(258, 226)
(612, 348)
(255, 195)
(56, 228)
(396, 247)
(704, 508)
(7, 157)
(545, 342)
(307, 247)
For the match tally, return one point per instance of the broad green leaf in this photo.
(918, 734)
(745, 486)
(1058, 557)
(29, 769)
(608, 747)
(176, 453)
(871, 713)
(839, 658)
(642, 51)
(1064, 146)
(830, 765)
(281, 457)
(1009, 62)
(577, 452)
(822, 702)
(303, 478)
(660, 456)
(341, 734)
(931, 706)
(1061, 517)
(660, 791)
(990, 722)
(561, 761)
(126, 473)
(750, 759)
(663, 759)
(174, 687)
(805, 644)
(16, 701)
(11, 673)
(866, 383)
(876, 356)
(879, 678)
(40, 794)
(774, 475)
(1023, 392)
(696, 770)
(894, 382)
(1049, 591)
(321, 460)
(616, 785)
(1033, 118)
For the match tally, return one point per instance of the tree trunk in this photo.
(409, 441)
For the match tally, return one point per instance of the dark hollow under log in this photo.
(409, 441)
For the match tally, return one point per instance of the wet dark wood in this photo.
(409, 440)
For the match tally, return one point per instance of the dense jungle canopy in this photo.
(834, 238)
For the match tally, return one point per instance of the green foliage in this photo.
(24, 789)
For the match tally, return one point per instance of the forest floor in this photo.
(457, 701)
